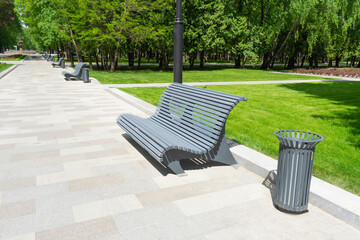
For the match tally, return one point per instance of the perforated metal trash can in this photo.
(295, 163)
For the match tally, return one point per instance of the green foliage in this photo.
(241, 30)
(9, 25)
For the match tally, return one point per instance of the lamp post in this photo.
(178, 44)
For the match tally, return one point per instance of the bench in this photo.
(61, 63)
(50, 58)
(189, 122)
(80, 73)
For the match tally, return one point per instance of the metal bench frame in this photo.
(80, 73)
(189, 122)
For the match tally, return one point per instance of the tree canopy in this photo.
(240, 30)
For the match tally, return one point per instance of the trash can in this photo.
(295, 162)
(85, 75)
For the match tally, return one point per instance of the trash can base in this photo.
(290, 212)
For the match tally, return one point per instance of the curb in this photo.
(5, 72)
(331, 199)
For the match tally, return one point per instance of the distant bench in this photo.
(80, 73)
(189, 122)
(61, 63)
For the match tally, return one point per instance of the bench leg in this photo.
(176, 168)
(223, 155)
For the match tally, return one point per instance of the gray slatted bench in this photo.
(189, 122)
(61, 63)
(80, 73)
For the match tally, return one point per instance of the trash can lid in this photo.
(298, 138)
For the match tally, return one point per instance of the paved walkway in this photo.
(67, 171)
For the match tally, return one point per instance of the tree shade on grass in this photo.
(4, 66)
(219, 75)
(331, 109)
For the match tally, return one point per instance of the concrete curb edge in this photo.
(7, 71)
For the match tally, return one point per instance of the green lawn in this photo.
(213, 75)
(4, 66)
(331, 109)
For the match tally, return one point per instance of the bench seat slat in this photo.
(188, 124)
(210, 93)
(208, 117)
(161, 135)
(143, 141)
(194, 125)
(185, 114)
(204, 124)
(193, 100)
(198, 100)
(169, 98)
(201, 141)
(213, 100)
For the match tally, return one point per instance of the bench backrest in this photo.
(78, 68)
(196, 114)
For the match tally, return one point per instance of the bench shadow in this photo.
(270, 183)
(186, 164)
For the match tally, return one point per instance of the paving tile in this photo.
(30, 236)
(105, 207)
(171, 194)
(93, 229)
(18, 226)
(17, 183)
(92, 182)
(17, 209)
(220, 199)
(83, 149)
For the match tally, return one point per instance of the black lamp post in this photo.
(178, 43)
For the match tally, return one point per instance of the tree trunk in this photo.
(139, 58)
(202, 53)
(90, 62)
(237, 61)
(192, 57)
(115, 57)
(274, 53)
(311, 60)
(244, 62)
(149, 56)
(97, 60)
(358, 65)
(302, 61)
(75, 45)
(337, 61)
(352, 63)
(291, 63)
(131, 58)
(71, 59)
(164, 61)
(330, 62)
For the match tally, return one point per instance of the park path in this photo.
(67, 171)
